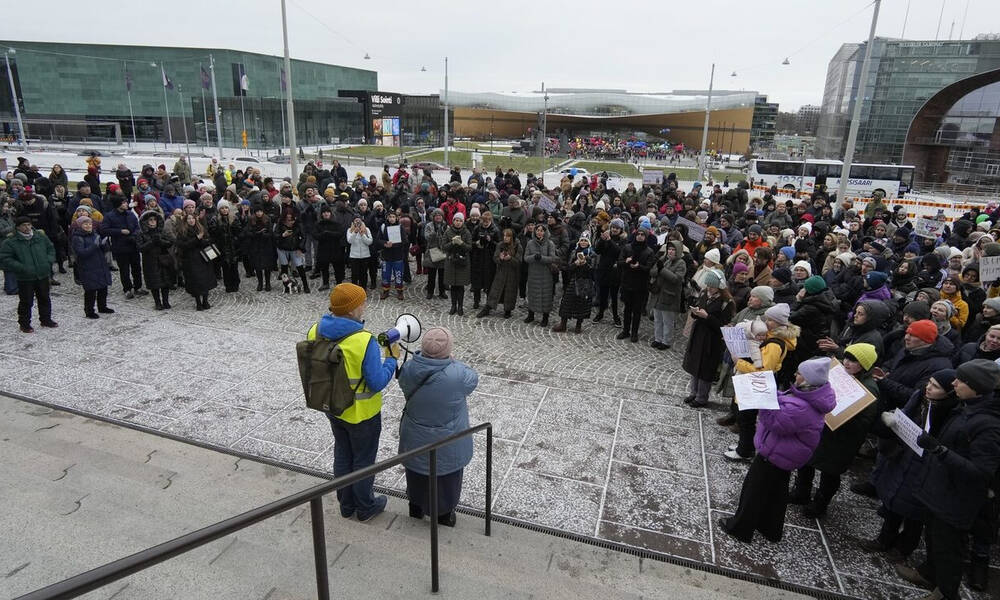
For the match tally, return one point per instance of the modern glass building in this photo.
(904, 76)
(76, 91)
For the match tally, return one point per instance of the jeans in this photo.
(701, 388)
(129, 270)
(606, 293)
(663, 326)
(9, 283)
(392, 274)
(290, 257)
(27, 291)
(355, 447)
(311, 244)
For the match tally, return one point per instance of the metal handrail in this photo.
(129, 565)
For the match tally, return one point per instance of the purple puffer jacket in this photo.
(788, 436)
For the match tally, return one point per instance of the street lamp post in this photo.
(446, 111)
(852, 136)
(290, 106)
(187, 146)
(704, 131)
(13, 99)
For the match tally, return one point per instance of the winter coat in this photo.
(91, 270)
(837, 448)
(259, 246)
(786, 293)
(705, 346)
(507, 279)
(29, 259)
(396, 252)
(636, 278)
(484, 243)
(114, 222)
(517, 217)
(540, 286)
(456, 264)
(291, 243)
(226, 237)
(578, 289)
(910, 370)
(955, 484)
(788, 436)
(608, 251)
(897, 468)
(772, 355)
(330, 238)
(199, 274)
(869, 332)
(961, 314)
(436, 392)
(360, 243)
(433, 234)
(158, 268)
(813, 314)
(669, 276)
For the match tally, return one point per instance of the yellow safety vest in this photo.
(367, 403)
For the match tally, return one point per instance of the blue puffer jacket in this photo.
(436, 391)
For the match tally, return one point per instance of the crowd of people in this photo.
(810, 279)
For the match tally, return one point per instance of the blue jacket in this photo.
(171, 203)
(376, 372)
(91, 269)
(112, 226)
(436, 391)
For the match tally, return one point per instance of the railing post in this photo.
(434, 520)
(489, 478)
(319, 549)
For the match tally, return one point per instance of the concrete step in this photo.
(83, 492)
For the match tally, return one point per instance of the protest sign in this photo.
(989, 268)
(736, 341)
(393, 233)
(928, 228)
(908, 431)
(852, 397)
(547, 204)
(660, 239)
(695, 231)
(652, 177)
(756, 390)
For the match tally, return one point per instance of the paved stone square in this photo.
(591, 434)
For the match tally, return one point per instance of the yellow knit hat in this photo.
(345, 297)
(864, 353)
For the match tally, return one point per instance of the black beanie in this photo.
(918, 310)
(981, 375)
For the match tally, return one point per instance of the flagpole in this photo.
(187, 147)
(243, 92)
(215, 99)
(289, 103)
(128, 90)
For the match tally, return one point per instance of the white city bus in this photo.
(893, 180)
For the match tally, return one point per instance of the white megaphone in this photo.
(407, 329)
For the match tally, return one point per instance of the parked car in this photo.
(580, 171)
(282, 159)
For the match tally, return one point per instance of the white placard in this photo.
(989, 268)
(907, 430)
(928, 228)
(547, 204)
(846, 388)
(756, 390)
(695, 231)
(652, 177)
(661, 238)
(736, 341)
(392, 232)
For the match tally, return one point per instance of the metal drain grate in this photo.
(589, 540)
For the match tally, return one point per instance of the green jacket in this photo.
(30, 260)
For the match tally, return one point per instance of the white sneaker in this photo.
(734, 455)
(733, 447)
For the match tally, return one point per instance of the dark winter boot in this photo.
(384, 294)
(399, 294)
(454, 306)
(545, 320)
(476, 297)
(579, 326)
(483, 313)
(979, 574)
(600, 315)
(530, 317)
(158, 302)
(165, 298)
(260, 281)
(304, 278)
(802, 490)
(560, 326)
(461, 304)
(197, 303)
(204, 302)
(267, 281)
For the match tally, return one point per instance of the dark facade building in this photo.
(764, 124)
(923, 106)
(77, 91)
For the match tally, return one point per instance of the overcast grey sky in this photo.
(507, 46)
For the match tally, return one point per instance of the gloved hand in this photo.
(457, 240)
(930, 443)
(538, 257)
(391, 350)
(889, 419)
